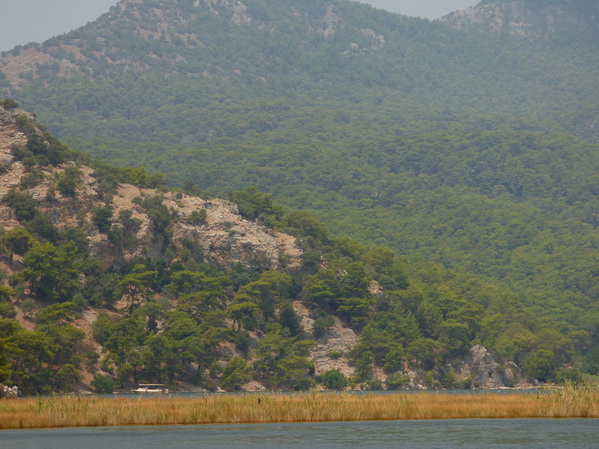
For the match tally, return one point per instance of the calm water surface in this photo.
(454, 434)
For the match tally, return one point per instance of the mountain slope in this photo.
(538, 19)
(447, 145)
(108, 279)
(325, 41)
(336, 107)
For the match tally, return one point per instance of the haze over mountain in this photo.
(533, 18)
(47, 19)
(461, 142)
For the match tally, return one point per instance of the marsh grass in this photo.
(568, 402)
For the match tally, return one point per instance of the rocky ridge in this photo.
(225, 237)
(175, 23)
(528, 19)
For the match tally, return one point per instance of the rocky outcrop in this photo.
(223, 236)
(333, 348)
(483, 371)
(7, 392)
(10, 136)
(477, 370)
(528, 19)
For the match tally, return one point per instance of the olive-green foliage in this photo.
(344, 289)
(280, 360)
(509, 204)
(198, 217)
(256, 205)
(235, 374)
(17, 241)
(304, 224)
(136, 287)
(41, 226)
(109, 177)
(266, 293)
(50, 271)
(321, 324)
(26, 355)
(42, 147)
(34, 174)
(68, 180)
(103, 384)
(23, 204)
(290, 320)
(443, 145)
(425, 322)
(540, 365)
(7, 309)
(46, 359)
(397, 381)
(407, 312)
(101, 218)
(9, 103)
(333, 380)
(158, 214)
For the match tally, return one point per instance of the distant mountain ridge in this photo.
(536, 19)
(160, 33)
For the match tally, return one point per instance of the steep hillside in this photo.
(451, 146)
(108, 280)
(222, 234)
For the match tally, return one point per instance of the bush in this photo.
(321, 325)
(29, 307)
(254, 204)
(23, 204)
(449, 379)
(103, 384)
(67, 182)
(540, 365)
(9, 103)
(335, 355)
(101, 219)
(235, 375)
(333, 380)
(42, 226)
(396, 381)
(198, 217)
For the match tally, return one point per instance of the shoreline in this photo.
(93, 411)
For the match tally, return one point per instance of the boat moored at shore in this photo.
(151, 389)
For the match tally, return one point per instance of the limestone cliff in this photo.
(223, 236)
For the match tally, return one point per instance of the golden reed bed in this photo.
(316, 407)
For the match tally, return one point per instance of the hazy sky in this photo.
(24, 21)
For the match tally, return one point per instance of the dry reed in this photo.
(312, 407)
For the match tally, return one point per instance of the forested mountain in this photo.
(108, 279)
(464, 147)
(547, 20)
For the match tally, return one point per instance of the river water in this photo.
(454, 434)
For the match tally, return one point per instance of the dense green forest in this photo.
(469, 154)
(179, 309)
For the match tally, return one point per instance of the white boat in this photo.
(151, 389)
